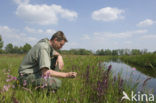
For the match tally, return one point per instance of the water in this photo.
(133, 75)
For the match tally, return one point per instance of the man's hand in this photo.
(71, 74)
(60, 62)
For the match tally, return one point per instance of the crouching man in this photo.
(42, 64)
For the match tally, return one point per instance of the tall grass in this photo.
(146, 60)
(93, 84)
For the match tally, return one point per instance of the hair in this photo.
(59, 35)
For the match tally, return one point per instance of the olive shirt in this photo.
(38, 57)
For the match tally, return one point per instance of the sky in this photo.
(89, 24)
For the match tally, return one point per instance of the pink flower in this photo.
(46, 76)
(134, 68)
(13, 78)
(6, 87)
(10, 78)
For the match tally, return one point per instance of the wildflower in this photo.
(11, 78)
(133, 68)
(46, 76)
(21, 74)
(6, 87)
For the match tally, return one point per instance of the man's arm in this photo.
(59, 61)
(53, 73)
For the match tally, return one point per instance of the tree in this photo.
(135, 52)
(100, 52)
(1, 42)
(26, 48)
(114, 52)
(9, 48)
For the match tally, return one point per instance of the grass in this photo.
(146, 60)
(94, 84)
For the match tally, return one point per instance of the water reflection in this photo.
(133, 74)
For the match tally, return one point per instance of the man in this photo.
(42, 64)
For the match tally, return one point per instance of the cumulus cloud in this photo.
(48, 32)
(11, 35)
(150, 36)
(116, 40)
(145, 23)
(107, 14)
(103, 35)
(43, 14)
(86, 37)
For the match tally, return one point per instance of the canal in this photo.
(132, 75)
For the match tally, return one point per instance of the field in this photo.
(94, 84)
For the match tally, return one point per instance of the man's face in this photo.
(58, 44)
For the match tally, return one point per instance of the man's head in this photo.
(58, 40)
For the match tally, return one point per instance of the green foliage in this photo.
(77, 52)
(146, 60)
(26, 47)
(121, 52)
(1, 43)
(15, 49)
(9, 48)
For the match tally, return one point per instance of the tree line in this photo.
(13, 49)
(24, 49)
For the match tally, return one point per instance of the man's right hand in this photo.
(71, 74)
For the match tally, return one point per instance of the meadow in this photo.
(93, 84)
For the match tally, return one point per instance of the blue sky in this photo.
(90, 24)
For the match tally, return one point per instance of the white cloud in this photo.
(104, 35)
(145, 23)
(128, 42)
(43, 14)
(150, 36)
(10, 35)
(48, 32)
(70, 45)
(86, 37)
(107, 14)
(112, 40)
(33, 31)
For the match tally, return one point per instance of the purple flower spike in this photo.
(13, 78)
(9, 76)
